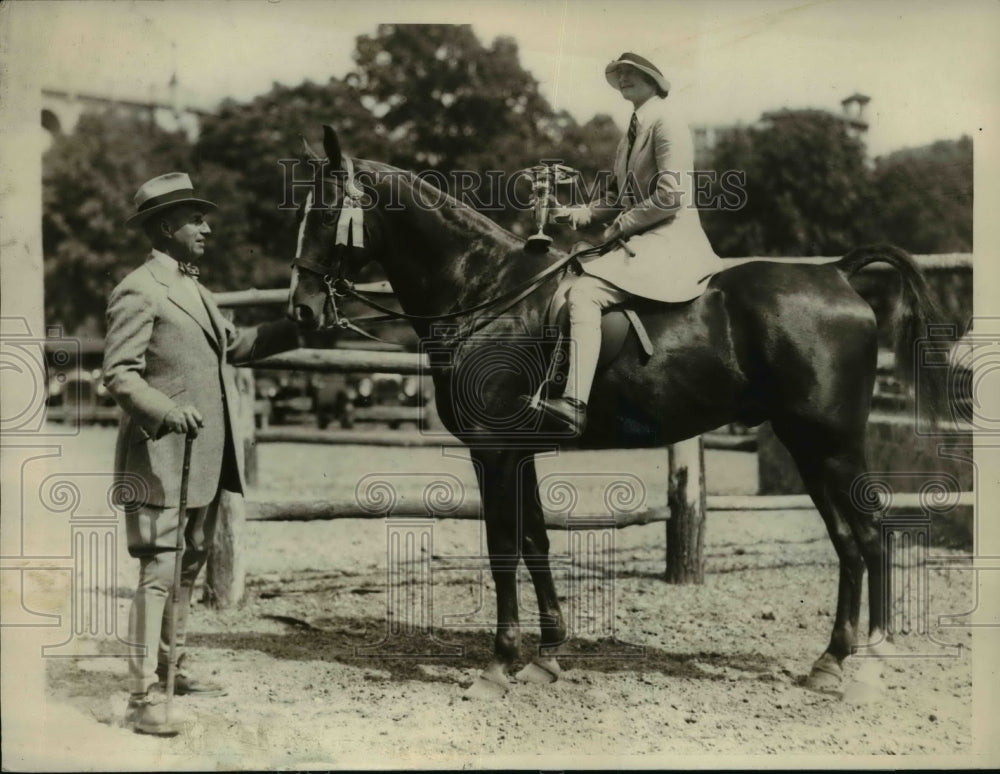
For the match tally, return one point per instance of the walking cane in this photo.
(175, 592)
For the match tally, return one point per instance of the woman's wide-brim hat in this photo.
(162, 193)
(641, 64)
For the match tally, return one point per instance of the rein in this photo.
(508, 299)
(340, 287)
(350, 232)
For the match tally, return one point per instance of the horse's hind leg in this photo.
(827, 671)
(845, 474)
(829, 476)
(535, 551)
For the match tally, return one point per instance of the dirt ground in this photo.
(656, 672)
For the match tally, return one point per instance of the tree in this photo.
(921, 198)
(446, 103)
(806, 187)
(89, 178)
(445, 100)
(245, 144)
(590, 147)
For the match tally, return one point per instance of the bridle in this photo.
(351, 231)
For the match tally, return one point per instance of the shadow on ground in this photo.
(366, 643)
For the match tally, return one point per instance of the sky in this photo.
(932, 70)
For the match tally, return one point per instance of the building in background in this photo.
(173, 111)
(707, 136)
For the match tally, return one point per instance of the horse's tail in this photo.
(915, 310)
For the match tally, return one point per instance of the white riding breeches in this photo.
(586, 299)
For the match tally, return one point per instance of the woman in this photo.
(668, 257)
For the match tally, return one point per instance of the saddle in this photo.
(616, 322)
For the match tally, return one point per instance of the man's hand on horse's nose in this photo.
(183, 419)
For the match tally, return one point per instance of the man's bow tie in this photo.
(188, 268)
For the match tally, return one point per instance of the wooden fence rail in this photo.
(346, 361)
(328, 510)
(279, 296)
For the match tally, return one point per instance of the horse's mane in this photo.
(471, 216)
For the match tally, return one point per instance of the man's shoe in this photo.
(185, 685)
(566, 413)
(147, 713)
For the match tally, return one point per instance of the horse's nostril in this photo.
(306, 317)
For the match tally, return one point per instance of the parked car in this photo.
(376, 397)
(333, 395)
(79, 396)
(285, 396)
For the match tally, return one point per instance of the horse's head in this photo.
(335, 236)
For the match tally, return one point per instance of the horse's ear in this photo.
(308, 148)
(331, 144)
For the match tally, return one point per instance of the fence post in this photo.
(225, 577)
(245, 415)
(686, 525)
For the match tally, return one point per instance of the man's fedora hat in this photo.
(639, 63)
(163, 192)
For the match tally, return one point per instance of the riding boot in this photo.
(570, 411)
(585, 348)
(568, 414)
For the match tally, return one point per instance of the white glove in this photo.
(577, 216)
(613, 232)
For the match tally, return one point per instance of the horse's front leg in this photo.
(496, 472)
(535, 549)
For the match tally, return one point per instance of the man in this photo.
(668, 257)
(165, 352)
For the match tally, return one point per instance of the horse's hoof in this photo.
(488, 687)
(826, 675)
(863, 692)
(822, 681)
(540, 671)
(867, 686)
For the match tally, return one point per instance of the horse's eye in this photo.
(329, 219)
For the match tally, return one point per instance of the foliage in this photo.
(88, 181)
(247, 144)
(810, 191)
(443, 101)
(922, 198)
(806, 183)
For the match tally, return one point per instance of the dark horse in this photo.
(790, 343)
